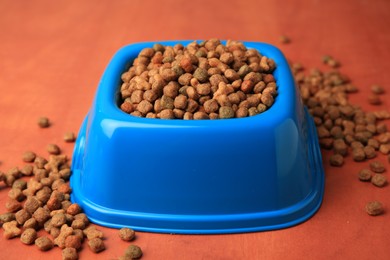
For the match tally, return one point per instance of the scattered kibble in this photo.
(379, 180)
(28, 236)
(69, 253)
(365, 175)
(11, 229)
(126, 234)
(284, 39)
(44, 243)
(336, 160)
(377, 89)
(29, 156)
(69, 137)
(96, 245)
(132, 252)
(53, 149)
(43, 122)
(377, 167)
(374, 208)
(201, 81)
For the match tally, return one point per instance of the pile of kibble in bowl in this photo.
(206, 80)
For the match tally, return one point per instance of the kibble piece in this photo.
(69, 137)
(379, 180)
(91, 232)
(32, 204)
(377, 89)
(377, 167)
(226, 112)
(11, 229)
(65, 231)
(284, 39)
(358, 154)
(69, 253)
(133, 252)
(126, 234)
(374, 208)
(41, 215)
(336, 160)
(43, 122)
(58, 220)
(31, 223)
(365, 175)
(44, 243)
(374, 99)
(12, 205)
(53, 149)
(96, 245)
(28, 236)
(28, 156)
(6, 217)
(340, 147)
(369, 151)
(73, 241)
(22, 216)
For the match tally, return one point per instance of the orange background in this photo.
(52, 54)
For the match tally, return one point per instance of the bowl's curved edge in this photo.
(206, 224)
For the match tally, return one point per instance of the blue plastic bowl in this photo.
(197, 176)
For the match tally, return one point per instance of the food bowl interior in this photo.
(197, 176)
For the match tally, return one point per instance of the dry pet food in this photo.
(126, 234)
(43, 122)
(374, 208)
(206, 80)
(379, 180)
(365, 175)
(132, 252)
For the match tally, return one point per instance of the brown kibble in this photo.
(74, 209)
(365, 175)
(379, 180)
(28, 156)
(41, 215)
(369, 151)
(31, 204)
(133, 252)
(16, 194)
(374, 208)
(126, 234)
(53, 149)
(43, 122)
(384, 148)
(28, 236)
(91, 232)
(73, 241)
(284, 39)
(6, 217)
(358, 154)
(201, 75)
(96, 245)
(30, 223)
(70, 137)
(69, 253)
(22, 216)
(44, 243)
(12, 205)
(58, 220)
(340, 147)
(226, 112)
(64, 233)
(11, 229)
(377, 167)
(27, 170)
(336, 160)
(374, 99)
(378, 90)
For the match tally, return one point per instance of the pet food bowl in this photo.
(197, 176)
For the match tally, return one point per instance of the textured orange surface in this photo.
(52, 54)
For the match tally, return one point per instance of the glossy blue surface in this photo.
(197, 176)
